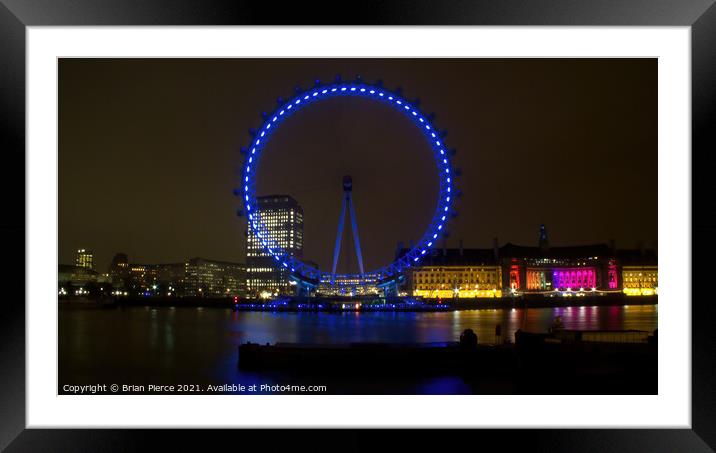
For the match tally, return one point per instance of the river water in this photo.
(143, 345)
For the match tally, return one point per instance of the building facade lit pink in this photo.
(568, 278)
(545, 269)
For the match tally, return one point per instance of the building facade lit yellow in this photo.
(456, 281)
(84, 258)
(640, 280)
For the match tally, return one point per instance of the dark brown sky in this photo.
(148, 153)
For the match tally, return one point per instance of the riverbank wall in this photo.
(366, 304)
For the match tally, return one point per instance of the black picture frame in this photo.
(16, 15)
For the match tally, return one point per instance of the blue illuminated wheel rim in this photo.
(261, 136)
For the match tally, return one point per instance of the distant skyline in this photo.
(148, 153)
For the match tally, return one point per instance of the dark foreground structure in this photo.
(563, 362)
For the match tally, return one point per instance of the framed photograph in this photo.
(446, 217)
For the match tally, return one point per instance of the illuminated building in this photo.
(575, 277)
(75, 275)
(515, 282)
(150, 279)
(544, 268)
(282, 217)
(207, 278)
(165, 279)
(639, 271)
(119, 270)
(138, 280)
(640, 280)
(612, 275)
(456, 273)
(348, 285)
(85, 259)
(572, 268)
(514, 270)
(457, 281)
(173, 277)
(196, 277)
(82, 281)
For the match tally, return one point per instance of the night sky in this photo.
(149, 153)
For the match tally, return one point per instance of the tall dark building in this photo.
(119, 270)
(283, 217)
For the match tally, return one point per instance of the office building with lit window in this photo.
(282, 216)
(76, 275)
(84, 258)
(82, 281)
(456, 273)
(119, 271)
(196, 277)
(155, 279)
(208, 278)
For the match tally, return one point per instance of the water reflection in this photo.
(184, 345)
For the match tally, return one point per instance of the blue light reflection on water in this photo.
(199, 345)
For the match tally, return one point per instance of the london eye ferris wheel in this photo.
(388, 275)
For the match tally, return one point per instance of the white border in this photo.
(670, 408)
